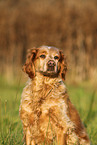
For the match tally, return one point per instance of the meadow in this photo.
(82, 95)
(68, 25)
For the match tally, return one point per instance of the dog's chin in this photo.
(49, 73)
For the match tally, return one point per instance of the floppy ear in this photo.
(29, 67)
(63, 65)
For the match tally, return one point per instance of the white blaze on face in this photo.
(49, 47)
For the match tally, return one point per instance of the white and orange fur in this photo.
(46, 111)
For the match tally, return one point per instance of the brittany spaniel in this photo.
(47, 114)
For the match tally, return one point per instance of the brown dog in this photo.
(46, 112)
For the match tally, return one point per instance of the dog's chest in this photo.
(53, 116)
(50, 111)
(50, 100)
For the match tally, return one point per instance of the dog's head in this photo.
(48, 61)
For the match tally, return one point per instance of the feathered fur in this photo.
(46, 111)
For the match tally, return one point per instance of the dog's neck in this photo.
(39, 81)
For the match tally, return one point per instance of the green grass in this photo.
(83, 97)
(10, 124)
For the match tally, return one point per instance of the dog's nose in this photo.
(51, 63)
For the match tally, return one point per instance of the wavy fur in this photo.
(46, 111)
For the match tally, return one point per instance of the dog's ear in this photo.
(62, 65)
(29, 67)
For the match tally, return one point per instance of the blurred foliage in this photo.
(69, 25)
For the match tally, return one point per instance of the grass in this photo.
(10, 124)
(83, 97)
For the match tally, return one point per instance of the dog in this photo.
(47, 114)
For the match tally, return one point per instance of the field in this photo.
(68, 25)
(83, 97)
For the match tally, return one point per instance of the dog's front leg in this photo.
(32, 142)
(28, 136)
(61, 139)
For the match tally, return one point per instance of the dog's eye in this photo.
(56, 57)
(43, 56)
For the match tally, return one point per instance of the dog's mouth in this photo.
(50, 72)
(51, 68)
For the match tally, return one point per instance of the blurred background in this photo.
(69, 25)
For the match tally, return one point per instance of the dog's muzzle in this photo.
(51, 65)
